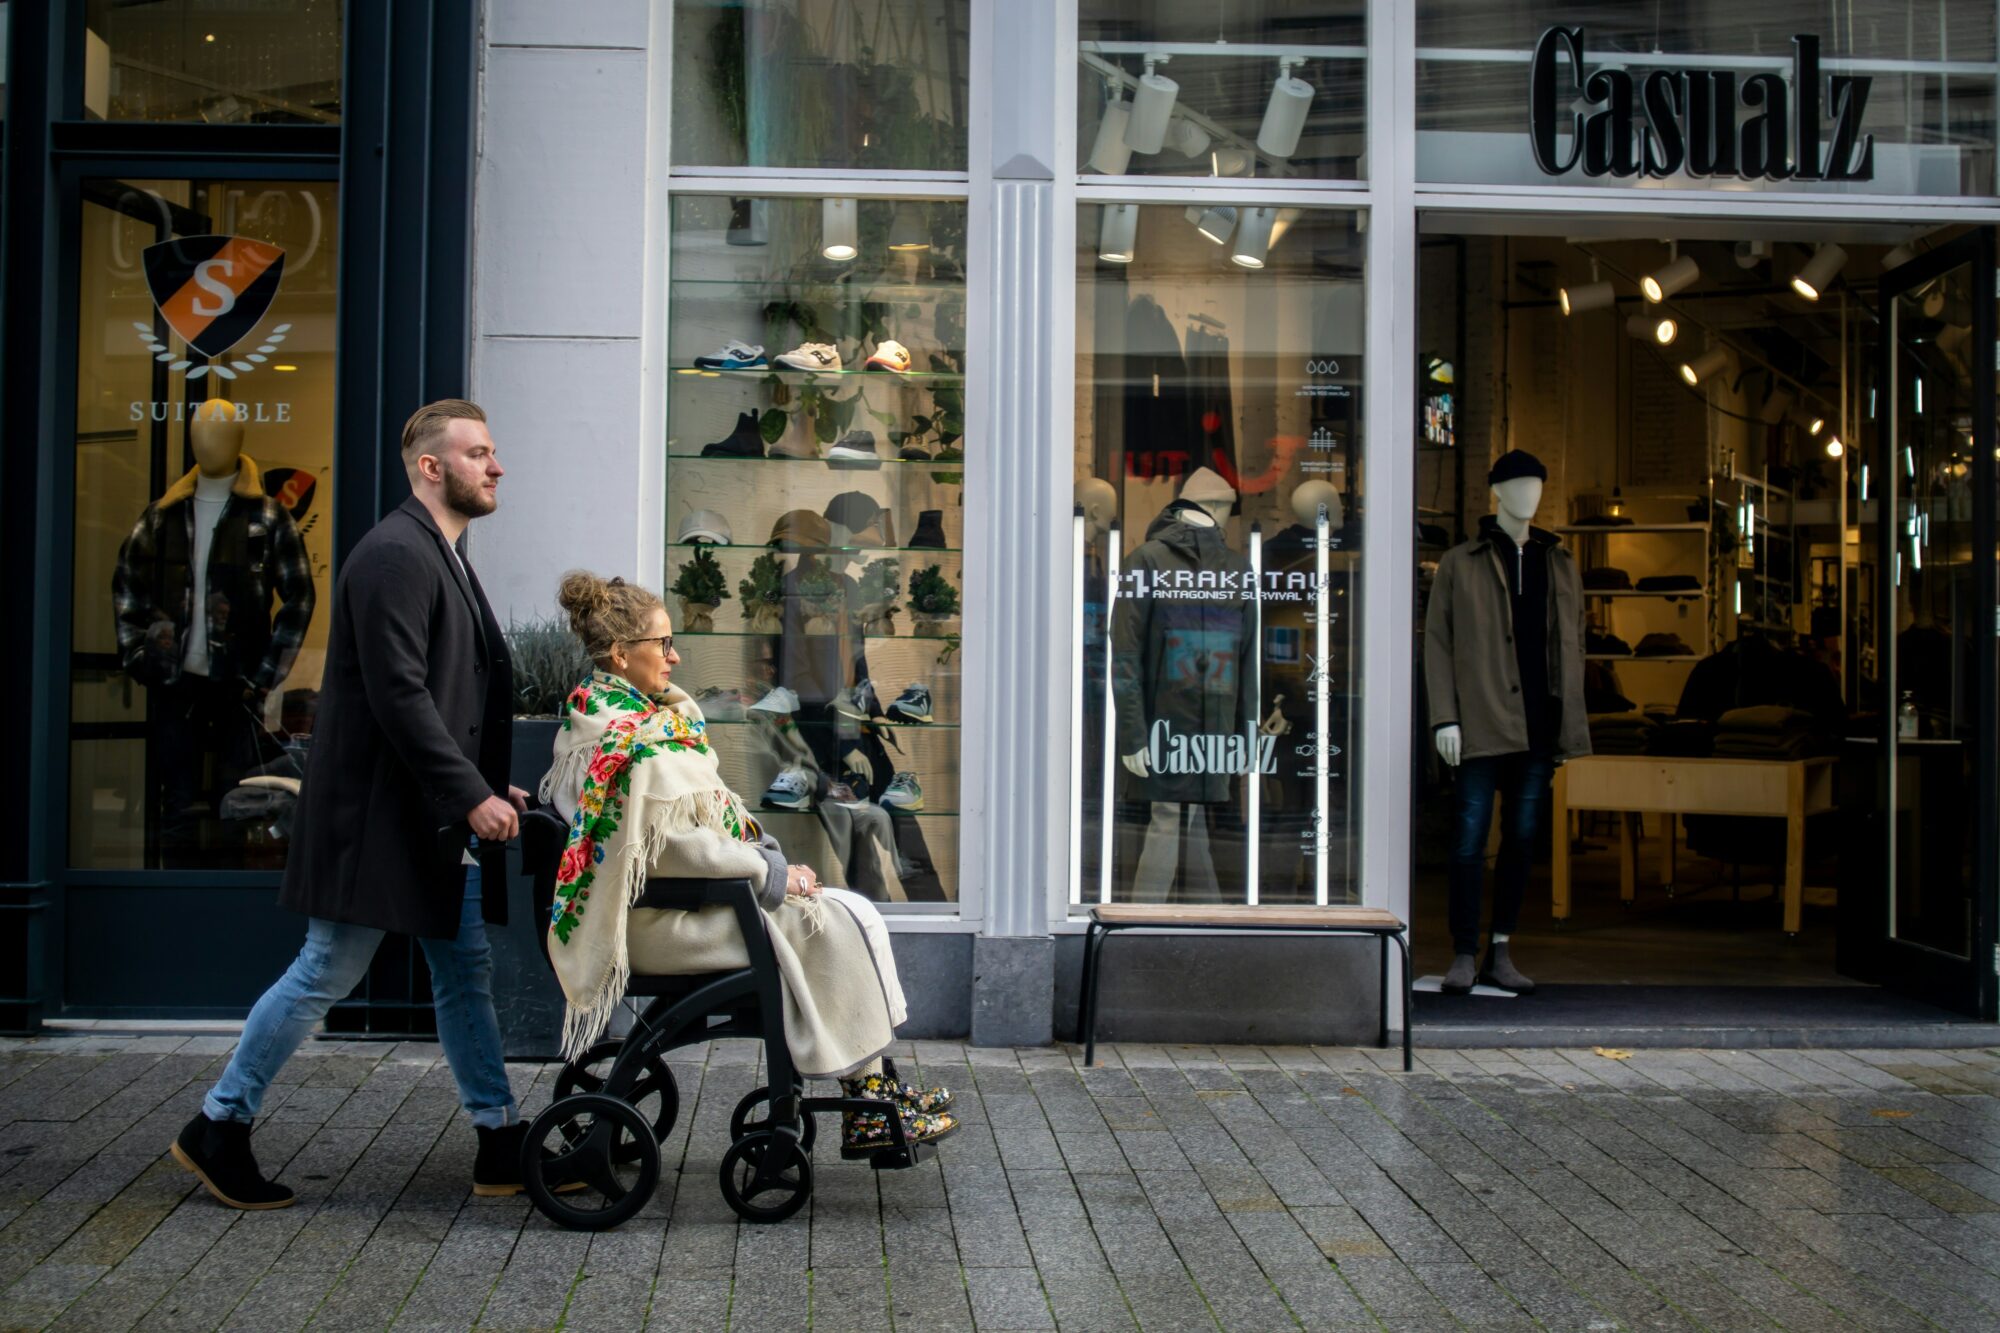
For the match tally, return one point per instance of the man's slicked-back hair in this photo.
(428, 424)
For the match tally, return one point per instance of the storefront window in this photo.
(815, 495)
(1218, 463)
(863, 85)
(221, 62)
(1184, 89)
(204, 452)
(1872, 97)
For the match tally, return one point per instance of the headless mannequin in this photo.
(1099, 502)
(216, 437)
(1516, 502)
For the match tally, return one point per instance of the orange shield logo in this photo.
(212, 290)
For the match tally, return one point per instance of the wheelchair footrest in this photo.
(898, 1159)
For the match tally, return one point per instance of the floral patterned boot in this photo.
(913, 1099)
(865, 1133)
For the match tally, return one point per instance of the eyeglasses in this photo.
(666, 642)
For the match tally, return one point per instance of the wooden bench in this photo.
(1376, 921)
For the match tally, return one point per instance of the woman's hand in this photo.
(802, 882)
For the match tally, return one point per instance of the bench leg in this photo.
(1093, 940)
(1409, 1001)
(1383, 1039)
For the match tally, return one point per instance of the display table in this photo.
(1637, 784)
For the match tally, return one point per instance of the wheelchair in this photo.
(592, 1158)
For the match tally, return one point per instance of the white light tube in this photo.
(1112, 546)
(1076, 592)
(1255, 777)
(1322, 714)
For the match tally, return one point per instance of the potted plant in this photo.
(933, 601)
(881, 583)
(825, 599)
(763, 594)
(701, 589)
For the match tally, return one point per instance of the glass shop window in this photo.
(1219, 466)
(221, 62)
(204, 476)
(859, 85)
(815, 497)
(1270, 91)
(1869, 97)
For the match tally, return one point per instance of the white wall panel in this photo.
(619, 23)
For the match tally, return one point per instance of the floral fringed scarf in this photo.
(642, 774)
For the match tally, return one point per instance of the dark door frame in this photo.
(1964, 984)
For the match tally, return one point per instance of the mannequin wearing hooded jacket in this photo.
(194, 590)
(1181, 667)
(1503, 667)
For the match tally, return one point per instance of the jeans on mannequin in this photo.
(1160, 858)
(1520, 784)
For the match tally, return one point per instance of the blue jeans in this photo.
(1520, 782)
(331, 964)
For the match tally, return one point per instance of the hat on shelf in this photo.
(867, 522)
(704, 525)
(801, 530)
(1514, 465)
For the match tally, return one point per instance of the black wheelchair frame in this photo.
(594, 1128)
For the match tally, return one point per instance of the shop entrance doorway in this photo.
(1763, 548)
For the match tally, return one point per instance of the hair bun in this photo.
(585, 597)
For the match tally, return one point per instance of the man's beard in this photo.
(465, 498)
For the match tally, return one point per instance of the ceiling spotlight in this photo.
(1231, 162)
(1285, 115)
(1812, 423)
(1820, 271)
(1253, 237)
(1118, 234)
(1652, 328)
(1777, 406)
(1679, 274)
(1898, 257)
(1749, 254)
(1834, 448)
(909, 231)
(1215, 222)
(1283, 222)
(839, 229)
(1187, 138)
(1109, 152)
(1590, 296)
(1152, 108)
(1708, 363)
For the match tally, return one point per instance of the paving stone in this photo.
(1007, 1298)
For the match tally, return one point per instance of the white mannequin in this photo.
(1310, 495)
(1516, 502)
(1099, 501)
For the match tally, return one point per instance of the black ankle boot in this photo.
(218, 1152)
(496, 1172)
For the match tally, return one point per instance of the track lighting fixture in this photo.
(908, 231)
(1659, 330)
(1749, 254)
(1253, 237)
(1109, 153)
(1834, 448)
(1590, 296)
(1285, 114)
(1898, 257)
(1677, 275)
(1820, 271)
(1152, 108)
(1187, 138)
(1118, 233)
(1215, 222)
(1777, 405)
(1707, 364)
(839, 229)
(1812, 423)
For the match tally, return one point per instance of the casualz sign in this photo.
(1675, 121)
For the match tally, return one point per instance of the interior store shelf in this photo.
(1686, 595)
(1641, 657)
(1599, 530)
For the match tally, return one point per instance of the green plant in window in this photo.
(880, 584)
(933, 600)
(701, 589)
(763, 594)
(824, 596)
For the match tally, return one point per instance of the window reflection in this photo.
(218, 61)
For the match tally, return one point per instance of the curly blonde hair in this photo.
(605, 612)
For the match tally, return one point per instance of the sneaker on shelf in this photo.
(854, 449)
(858, 702)
(903, 793)
(777, 702)
(746, 441)
(842, 794)
(810, 356)
(890, 355)
(720, 703)
(732, 355)
(930, 529)
(912, 705)
(791, 790)
(914, 452)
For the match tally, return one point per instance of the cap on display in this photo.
(704, 525)
(1515, 464)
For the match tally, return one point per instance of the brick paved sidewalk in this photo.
(1172, 1188)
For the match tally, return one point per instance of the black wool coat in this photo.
(414, 731)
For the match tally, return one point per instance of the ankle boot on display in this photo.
(1464, 971)
(218, 1152)
(1500, 971)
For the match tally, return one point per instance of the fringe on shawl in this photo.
(660, 821)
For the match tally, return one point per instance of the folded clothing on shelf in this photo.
(1684, 738)
(1605, 645)
(1686, 583)
(1663, 645)
(1768, 731)
(1606, 578)
(1621, 733)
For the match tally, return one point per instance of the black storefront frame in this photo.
(403, 159)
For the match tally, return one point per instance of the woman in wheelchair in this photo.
(636, 778)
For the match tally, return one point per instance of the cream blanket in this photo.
(639, 783)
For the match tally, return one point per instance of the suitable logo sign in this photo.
(212, 291)
(1676, 121)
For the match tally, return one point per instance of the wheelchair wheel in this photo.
(766, 1176)
(598, 1140)
(655, 1094)
(741, 1124)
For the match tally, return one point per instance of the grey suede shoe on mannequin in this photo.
(1500, 971)
(1459, 980)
